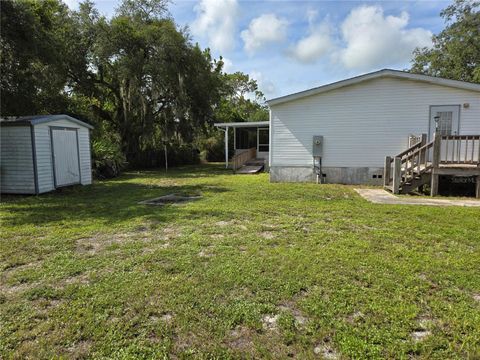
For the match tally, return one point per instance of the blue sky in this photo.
(290, 46)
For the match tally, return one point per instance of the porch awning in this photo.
(234, 126)
(246, 124)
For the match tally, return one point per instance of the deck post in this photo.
(434, 183)
(226, 147)
(423, 142)
(397, 175)
(387, 172)
(437, 145)
(234, 140)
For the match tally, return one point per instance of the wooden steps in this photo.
(415, 183)
(423, 163)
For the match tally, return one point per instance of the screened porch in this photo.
(251, 141)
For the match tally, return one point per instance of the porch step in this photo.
(412, 184)
(253, 166)
(255, 162)
(415, 183)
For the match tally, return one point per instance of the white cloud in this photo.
(227, 65)
(217, 21)
(316, 44)
(72, 4)
(374, 40)
(265, 85)
(267, 28)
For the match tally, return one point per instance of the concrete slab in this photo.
(380, 196)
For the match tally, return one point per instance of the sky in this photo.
(290, 46)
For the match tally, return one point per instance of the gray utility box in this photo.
(317, 145)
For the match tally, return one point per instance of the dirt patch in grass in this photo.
(420, 335)
(171, 232)
(241, 339)
(422, 331)
(268, 235)
(165, 317)
(78, 279)
(12, 290)
(240, 224)
(326, 350)
(17, 267)
(98, 243)
(184, 343)
(290, 307)
(269, 322)
(207, 252)
(171, 199)
(217, 236)
(476, 297)
(91, 245)
(80, 349)
(356, 317)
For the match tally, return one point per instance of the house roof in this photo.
(374, 75)
(40, 119)
(249, 124)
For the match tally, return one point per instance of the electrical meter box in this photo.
(317, 145)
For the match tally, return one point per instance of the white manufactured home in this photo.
(352, 125)
(378, 128)
(42, 153)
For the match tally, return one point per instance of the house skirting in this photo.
(331, 175)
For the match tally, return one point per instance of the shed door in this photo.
(65, 156)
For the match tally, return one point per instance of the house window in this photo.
(445, 122)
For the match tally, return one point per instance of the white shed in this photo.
(42, 153)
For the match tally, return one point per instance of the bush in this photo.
(108, 159)
(213, 147)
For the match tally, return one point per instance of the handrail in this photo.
(422, 157)
(239, 159)
(411, 148)
(388, 179)
(417, 151)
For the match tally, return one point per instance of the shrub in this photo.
(108, 158)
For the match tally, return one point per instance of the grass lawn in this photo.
(252, 269)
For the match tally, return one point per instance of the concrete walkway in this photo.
(380, 196)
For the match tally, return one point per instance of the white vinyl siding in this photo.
(16, 162)
(16, 167)
(46, 161)
(85, 156)
(44, 158)
(363, 123)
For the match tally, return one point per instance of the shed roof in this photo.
(40, 119)
(244, 124)
(374, 75)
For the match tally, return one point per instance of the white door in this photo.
(445, 118)
(262, 143)
(65, 156)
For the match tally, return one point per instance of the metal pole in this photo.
(226, 147)
(234, 141)
(166, 157)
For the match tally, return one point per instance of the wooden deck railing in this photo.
(460, 149)
(242, 157)
(416, 151)
(423, 157)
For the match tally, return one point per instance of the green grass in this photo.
(251, 270)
